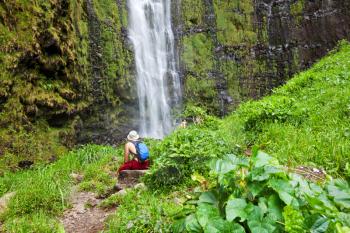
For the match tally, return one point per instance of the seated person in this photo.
(130, 149)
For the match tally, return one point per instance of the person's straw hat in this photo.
(133, 136)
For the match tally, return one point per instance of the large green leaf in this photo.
(259, 174)
(236, 161)
(237, 228)
(236, 208)
(263, 204)
(320, 226)
(301, 184)
(179, 226)
(264, 173)
(222, 166)
(263, 159)
(208, 197)
(265, 225)
(274, 205)
(205, 212)
(284, 190)
(254, 212)
(340, 191)
(227, 164)
(221, 226)
(256, 187)
(192, 224)
(321, 203)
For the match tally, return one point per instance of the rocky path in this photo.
(85, 216)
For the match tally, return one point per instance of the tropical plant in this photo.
(257, 195)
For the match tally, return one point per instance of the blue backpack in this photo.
(142, 151)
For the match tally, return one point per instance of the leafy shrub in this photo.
(192, 111)
(182, 153)
(256, 195)
(199, 116)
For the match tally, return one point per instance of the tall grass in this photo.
(143, 211)
(42, 193)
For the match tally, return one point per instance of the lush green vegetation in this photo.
(143, 211)
(305, 122)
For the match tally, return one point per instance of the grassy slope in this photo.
(307, 121)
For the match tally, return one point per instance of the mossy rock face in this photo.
(254, 46)
(197, 55)
(51, 92)
(39, 79)
(192, 12)
(234, 20)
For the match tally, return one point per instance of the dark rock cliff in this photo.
(67, 70)
(233, 50)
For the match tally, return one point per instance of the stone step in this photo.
(130, 177)
(4, 200)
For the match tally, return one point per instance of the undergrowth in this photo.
(258, 195)
(143, 211)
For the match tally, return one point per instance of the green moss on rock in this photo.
(296, 10)
(201, 92)
(235, 22)
(192, 12)
(197, 55)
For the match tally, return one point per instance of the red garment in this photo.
(134, 165)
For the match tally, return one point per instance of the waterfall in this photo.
(158, 83)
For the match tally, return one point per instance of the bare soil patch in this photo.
(85, 216)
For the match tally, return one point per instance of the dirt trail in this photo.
(85, 216)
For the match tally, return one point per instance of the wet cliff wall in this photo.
(65, 76)
(233, 50)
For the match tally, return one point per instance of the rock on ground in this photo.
(4, 200)
(129, 178)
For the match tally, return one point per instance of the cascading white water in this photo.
(158, 84)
